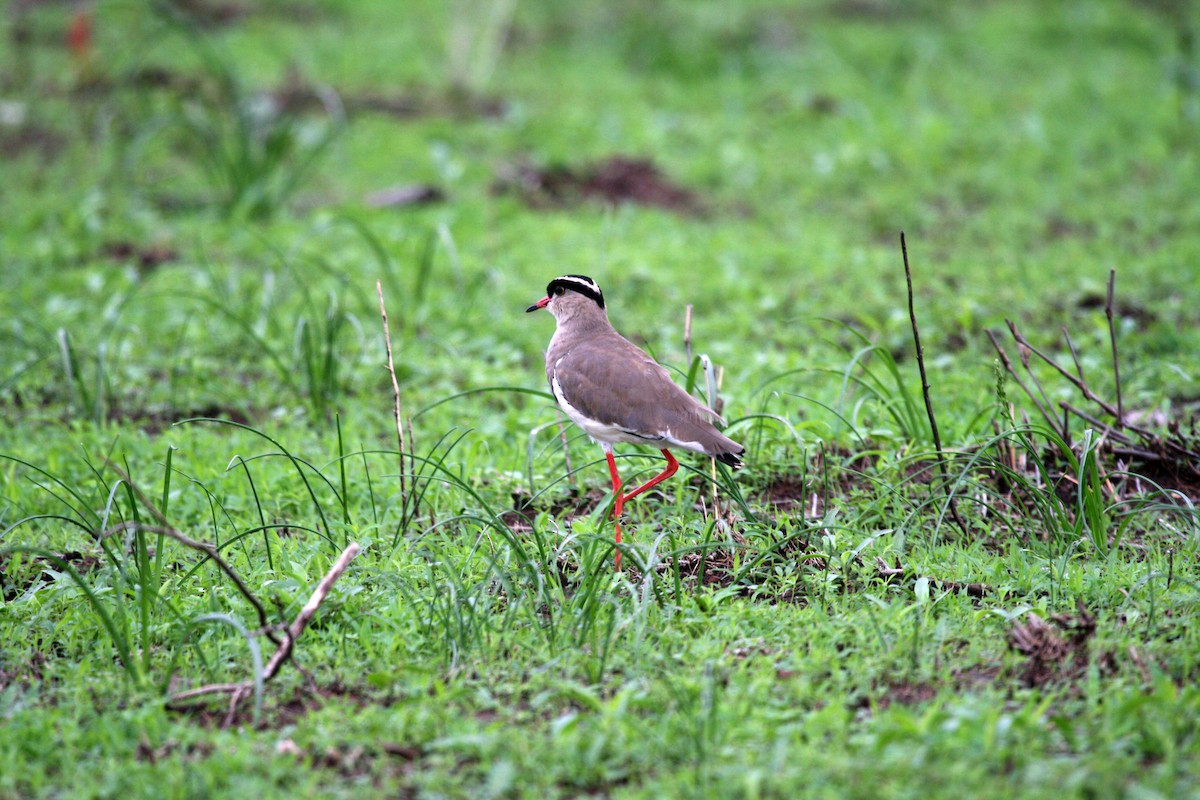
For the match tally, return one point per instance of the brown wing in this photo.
(612, 381)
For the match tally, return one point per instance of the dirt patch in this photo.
(297, 94)
(83, 563)
(26, 674)
(211, 13)
(214, 712)
(714, 568)
(146, 258)
(1126, 309)
(909, 693)
(157, 420)
(1171, 475)
(576, 504)
(616, 180)
(45, 142)
(1056, 653)
(787, 491)
(1061, 227)
(215, 14)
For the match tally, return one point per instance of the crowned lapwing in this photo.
(617, 393)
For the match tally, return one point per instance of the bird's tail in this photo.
(726, 450)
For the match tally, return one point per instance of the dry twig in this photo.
(285, 650)
(943, 470)
(397, 411)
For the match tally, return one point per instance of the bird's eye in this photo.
(558, 290)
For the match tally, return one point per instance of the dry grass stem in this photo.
(398, 411)
(943, 471)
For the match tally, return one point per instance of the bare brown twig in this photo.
(943, 470)
(166, 529)
(1112, 337)
(1122, 430)
(285, 650)
(206, 548)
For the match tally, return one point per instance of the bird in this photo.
(617, 393)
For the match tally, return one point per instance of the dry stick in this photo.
(205, 548)
(1088, 394)
(1079, 384)
(314, 601)
(164, 527)
(1104, 427)
(1112, 337)
(943, 470)
(1011, 370)
(1074, 353)
(1024, 349)
(284, 652)
(387, 340)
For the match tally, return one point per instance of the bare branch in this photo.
(206, 548)
(1011, 370)
(284, 652)
(302, 619)
(1112, 337)
(937, 438)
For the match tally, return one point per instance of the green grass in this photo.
(175, 252)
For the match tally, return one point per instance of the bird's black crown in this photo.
(576, 283)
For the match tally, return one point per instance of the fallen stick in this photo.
(302, 619)
(284, 652)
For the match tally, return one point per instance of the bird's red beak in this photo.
(539, 304)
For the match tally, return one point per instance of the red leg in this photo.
(672, 465)
(618, 500)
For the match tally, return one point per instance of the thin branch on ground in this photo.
(900, 573)
(284, 652)
(1136, 439)
(165, 528)
(943, 470)
(306, 614)
(1112, 338)
(210, 551)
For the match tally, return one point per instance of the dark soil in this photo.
(83, 563)
(298, 94)
(157, 420)
(909, 693)
(616, 180)
(1056, 653)
(45, 142)
(576, 504)
(146, 258)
